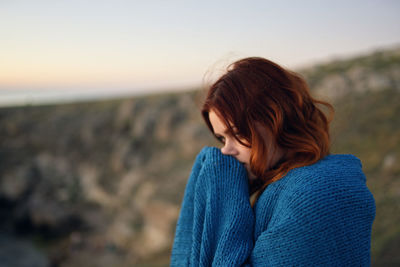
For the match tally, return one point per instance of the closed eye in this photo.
(220, 138)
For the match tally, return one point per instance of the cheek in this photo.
(245, 154)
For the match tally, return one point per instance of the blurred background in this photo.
(100, 121)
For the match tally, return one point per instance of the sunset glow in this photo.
(132, 45)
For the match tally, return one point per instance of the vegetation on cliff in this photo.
(100, 183)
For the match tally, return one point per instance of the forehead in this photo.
(217, 123)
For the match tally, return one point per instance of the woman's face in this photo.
(231, 145)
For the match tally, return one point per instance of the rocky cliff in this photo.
(100, 183)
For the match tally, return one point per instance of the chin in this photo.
(251, 176)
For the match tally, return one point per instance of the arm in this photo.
(215, 225)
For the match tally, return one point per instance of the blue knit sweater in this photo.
(316, 215)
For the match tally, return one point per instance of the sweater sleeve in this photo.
(326, 225)
(216, 221)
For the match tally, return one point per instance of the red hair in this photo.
(258, 96)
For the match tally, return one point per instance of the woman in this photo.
(273, 195)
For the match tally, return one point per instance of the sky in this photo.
(86, 47)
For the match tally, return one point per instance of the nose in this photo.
(229, 148)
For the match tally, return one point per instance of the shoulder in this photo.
(334, 170)
(334, 182)
(334, 186)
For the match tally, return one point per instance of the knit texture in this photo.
(316, 215)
